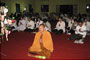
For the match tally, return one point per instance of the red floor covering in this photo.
(19, 42)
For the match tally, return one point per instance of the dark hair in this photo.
(39, 18)
(45, 20)
(60, 18)
(42, 25)
(30, 18)
(80, 22)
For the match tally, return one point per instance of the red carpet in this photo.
(19, 42)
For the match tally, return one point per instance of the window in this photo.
(2, 4)
(66, 9)
(30, 8)
(44, 8)
(17, 8)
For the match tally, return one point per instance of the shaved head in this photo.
(41, 28)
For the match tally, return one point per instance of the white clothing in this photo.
(30, 24)
(38, 23)
(22, 25)
(48, 26)
(60, 25)
(87, 24)
(83, 30)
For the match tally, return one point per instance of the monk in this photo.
(43, 44)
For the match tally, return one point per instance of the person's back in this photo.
(48, 25)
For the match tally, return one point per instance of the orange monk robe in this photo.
(46, 40)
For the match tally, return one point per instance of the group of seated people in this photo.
(28, 25)
(67, 25)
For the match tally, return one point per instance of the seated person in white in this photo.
(47, 25)
(38, 23)
(80, 34)
(87, 24)
(29, 25)
(22, 25)
(70, 25)
(26, 19)
(60, 27)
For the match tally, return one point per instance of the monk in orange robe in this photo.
(43, 44)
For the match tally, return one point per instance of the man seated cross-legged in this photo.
(43, 44)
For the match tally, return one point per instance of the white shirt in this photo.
(44, 17)
(48, 26)
(38, 23)
(60, 25)
(26, 19)
(67, 19)
(22, 25)
(83, 29)
(30, 24)
(87, 24)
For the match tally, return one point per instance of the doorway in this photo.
(66, 9)
(17, 8)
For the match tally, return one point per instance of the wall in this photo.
(81, 4)
(12, 5)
